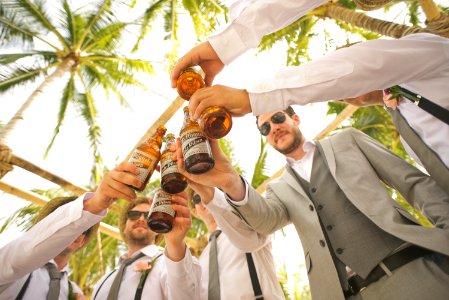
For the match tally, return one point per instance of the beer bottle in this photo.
(172, 181)
(161, 215)
(146, 157)
(195, 147)
(215, 121)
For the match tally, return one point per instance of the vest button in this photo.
(311, 207)
(322, 243)
(329, 227)
(313, 190)
(339, 251)
(319, 207)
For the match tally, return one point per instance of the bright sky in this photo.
(122, 128)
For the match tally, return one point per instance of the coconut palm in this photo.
(78, 46)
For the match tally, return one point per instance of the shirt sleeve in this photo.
(183, 277)
(233, 225)
(254, 19)
(45, 240)
(353, 71)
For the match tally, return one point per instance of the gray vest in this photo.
(354, 240)
(430, 160)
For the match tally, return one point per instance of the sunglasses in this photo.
(277, 118)
(135, 214)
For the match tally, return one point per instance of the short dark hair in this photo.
(57, 202)
(124, 217)
(289, 111)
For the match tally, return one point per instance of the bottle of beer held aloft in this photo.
(171, 180)
(215, 121)
(195, 147)
(146, 156)
(161, 215)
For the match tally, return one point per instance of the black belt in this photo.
(392, 262)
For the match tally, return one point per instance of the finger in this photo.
(193, 103)
(209, 79)
(181, 211)
(127, 167)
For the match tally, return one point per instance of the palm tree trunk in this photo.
(363, 21)
(57, 74)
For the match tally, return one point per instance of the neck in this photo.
(61, 261)
(133, 249)
(211, 225)
(298, 153)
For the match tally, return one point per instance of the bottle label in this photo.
(194, 142)
(162, 203)
(145, 162)
(168, 166)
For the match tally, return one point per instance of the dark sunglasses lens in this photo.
(265, 129)
(134, 214)
(278, 118)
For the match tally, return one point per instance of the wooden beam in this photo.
(41, 201)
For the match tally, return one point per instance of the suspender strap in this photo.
(432, 108)
(142, 281)
(254, 279)
(99, 288)
(24, 288)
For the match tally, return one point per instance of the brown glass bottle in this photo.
(172, 181)
(161, 215)
(146, 157)
(215, 121)
(195, 147)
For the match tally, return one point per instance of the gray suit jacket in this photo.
(360, 166)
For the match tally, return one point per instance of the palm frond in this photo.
(13, 75)
(146, 21)
(106, 39)
(23, 218)
(260, 168)
(228, 150)
(67, 95)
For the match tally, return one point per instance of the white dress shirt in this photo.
(45, 240)
(166, 280)
(236, 239)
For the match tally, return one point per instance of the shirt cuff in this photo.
(228, 45)
(266, 102)
(179, 269)
(241, 202)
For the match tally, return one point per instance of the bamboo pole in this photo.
(343, 115)
(41, 201)
(430, 9)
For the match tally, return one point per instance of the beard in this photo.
(297, 138)
(139, 237)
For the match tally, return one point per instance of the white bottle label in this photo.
(194, 142)
(145, 162)
(162, 203)
(168, 166)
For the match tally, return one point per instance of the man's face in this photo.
(284, 136)
(136, 229)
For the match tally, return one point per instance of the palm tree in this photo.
(78, 46)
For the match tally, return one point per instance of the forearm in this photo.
(362, 68)
(45, 240)
(254, 20)
(183, 277)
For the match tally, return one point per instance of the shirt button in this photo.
(339, 251)
(313, 190)
(311, 207)
(319, 207)
(322, 243)
(329, 227)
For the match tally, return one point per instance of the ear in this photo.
(295, 118)
(81, 241)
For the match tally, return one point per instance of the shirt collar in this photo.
(308, 147)
(150, 251)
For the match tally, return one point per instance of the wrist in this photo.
(234, 187)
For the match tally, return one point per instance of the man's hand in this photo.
(115, 184)
(236, 101)
(222, 175)
(181, 224)
(202, 55)
(390, 100)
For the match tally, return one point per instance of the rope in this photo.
(440, 26)
(5, 157)
(371, 4)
